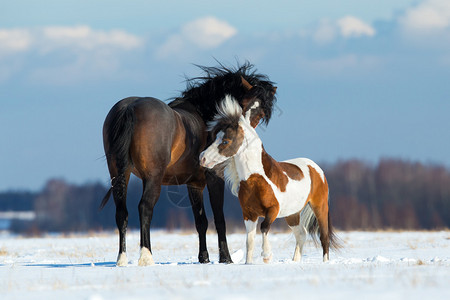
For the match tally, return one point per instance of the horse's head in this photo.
(230, 130)
(257, 102)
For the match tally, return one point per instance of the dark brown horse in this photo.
(160, 143)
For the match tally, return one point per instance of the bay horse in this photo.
(160, 143)
(296, 189)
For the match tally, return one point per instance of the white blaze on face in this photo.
(211, 156)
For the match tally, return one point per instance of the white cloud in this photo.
(347, 27)
(353, 27)
(325, 32)
(204, 33)
(76, 52)
(208, 32)
(14, 40)
(86, 38)
(57, 37)
(429, 15)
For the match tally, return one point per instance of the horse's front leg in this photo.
(270, 217)
(216, 187)
(250, 227)
(201, 222)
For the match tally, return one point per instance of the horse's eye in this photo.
(224, 142)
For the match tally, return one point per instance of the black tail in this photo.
(106, 198)
(309, 220)
(335, 241)
(312, 226)
(119, 134)
(119, 126)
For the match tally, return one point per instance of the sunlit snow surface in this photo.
(372, 265)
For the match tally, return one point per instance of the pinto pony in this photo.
(160, 143)
(296, 190)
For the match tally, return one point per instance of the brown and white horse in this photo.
(296, 189)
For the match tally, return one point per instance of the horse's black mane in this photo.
(206, 92)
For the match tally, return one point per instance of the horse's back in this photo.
(141, 107)
(301, 186)
(306, 163)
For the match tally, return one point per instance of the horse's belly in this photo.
(294, 198)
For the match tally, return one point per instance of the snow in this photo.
(391, 265)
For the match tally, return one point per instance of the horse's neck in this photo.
(249, 161)
(192, 121)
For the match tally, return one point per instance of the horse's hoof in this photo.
(146, 258)
(225, 260)
(297, 259)
(267, 259)
(122, 260)
(225, 257)
(203, 257)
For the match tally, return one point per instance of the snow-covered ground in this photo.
(372, 265)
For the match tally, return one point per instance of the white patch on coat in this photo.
(307, 162)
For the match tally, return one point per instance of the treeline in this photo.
(392, 194)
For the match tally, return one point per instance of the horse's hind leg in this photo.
(216, 187)
(270, 217)
(150, 195)
(321, 214)
(120, 184)
(300, 232)
(300, 238)
(201, 222)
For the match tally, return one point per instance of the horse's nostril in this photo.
(203, 161)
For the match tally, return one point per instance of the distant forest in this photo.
(393, 194)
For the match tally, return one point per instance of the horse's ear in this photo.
(256, 117)
(253, 112)
(245, 83)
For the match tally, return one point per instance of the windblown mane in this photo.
(228, 113)
(206, 92)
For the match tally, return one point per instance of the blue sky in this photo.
(356, 79)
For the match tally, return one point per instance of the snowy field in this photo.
(372, 265)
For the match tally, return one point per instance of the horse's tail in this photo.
(106, 198)
(118, 132)
(309, 221)
(335, 242)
